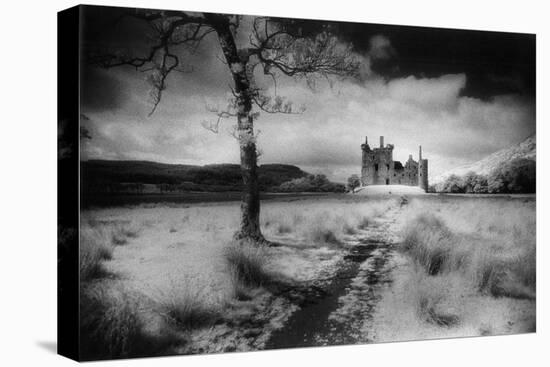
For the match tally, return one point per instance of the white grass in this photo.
(390, 190)
(325, 223)
(468, 268)
(95, 248)
(184, 259)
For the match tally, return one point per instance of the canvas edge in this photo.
(68, 105)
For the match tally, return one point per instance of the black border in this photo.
(68, 99)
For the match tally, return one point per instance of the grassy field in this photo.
(466, 267)
(164, 279)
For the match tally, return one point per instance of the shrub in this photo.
(349, 229)
(186, 308)
(353, 183)
(283, 228)
(430, 310)
(246, 263)
(363, 223)
(320, 234)
(454, 184)
(111, 327)
(471, 182)
(495, 270)
(515, 176)
(311, 183)
(109, 324)
(500, 276)
(525, 266)
(94, 250)
(427, 240)
(121, 232)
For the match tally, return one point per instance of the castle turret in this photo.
(422, 171)
(379, 168)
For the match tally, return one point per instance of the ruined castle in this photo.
(379, 168)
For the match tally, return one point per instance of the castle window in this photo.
(388, 166)
(376, 167)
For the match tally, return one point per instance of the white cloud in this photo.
(453, 130)
(380, 47)
(428, 93)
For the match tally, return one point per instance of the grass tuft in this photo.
(94, 250)
(363, 223)
(110, 326)
(324, 235)
(500, 269)
(121, 232)
(283, 228)
(428, 312)
(246, 263)
(186, 309)
(435, 297)
(428, 241)
(349, 229)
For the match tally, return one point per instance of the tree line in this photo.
(511, 177)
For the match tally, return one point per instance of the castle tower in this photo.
(377, 166)
(422, 171)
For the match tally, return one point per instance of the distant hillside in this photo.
(527, 149)
(104, 175)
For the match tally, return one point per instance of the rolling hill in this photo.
(217, 177)
(527, 149)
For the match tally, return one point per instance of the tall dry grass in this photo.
(488, 245)
(111, 325)
(95, 248)
(184, 306)
(501, 269)
(325, 224)
(121, 232)
(246, 265)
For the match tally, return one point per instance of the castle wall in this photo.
(377, 164)
(398, 177)
(411, 172)
(379, 168)
(423, 174)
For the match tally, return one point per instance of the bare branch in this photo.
(221, 113)
(295, 55)
(275, 104)
(171, 29)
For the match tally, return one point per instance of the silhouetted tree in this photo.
(294, 48)
(516, 176)
(353, 182)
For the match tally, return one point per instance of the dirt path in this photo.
(337, 312)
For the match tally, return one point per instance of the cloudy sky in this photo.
(460, 94)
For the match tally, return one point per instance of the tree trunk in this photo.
(237, 63)
(250, 201)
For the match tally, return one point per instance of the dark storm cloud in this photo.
(462, 95)
(494, 62)
(100, 91)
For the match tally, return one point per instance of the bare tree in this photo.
(277, 46)
(353, 182)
